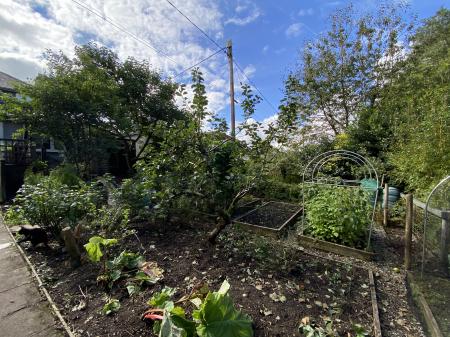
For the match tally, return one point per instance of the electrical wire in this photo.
(201, 30)
(122, 29)
(198, 63)
(256, 88)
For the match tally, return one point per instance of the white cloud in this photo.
(249, 70)
(306, 12)
(294, 29)
(264, 125)
(246, 12)
(265, 49)
(26, 34)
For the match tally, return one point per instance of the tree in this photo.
(194, 167)
(344, 71)
(95, 103)
(420, 101)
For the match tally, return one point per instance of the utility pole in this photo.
(230, 64)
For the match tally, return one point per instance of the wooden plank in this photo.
(274, 232)
(408, 230)
(445, 234)
(424, 308)
(376, 315)
(334, 248)
(386, 205)
(421, 204)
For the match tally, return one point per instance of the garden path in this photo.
(24, 312)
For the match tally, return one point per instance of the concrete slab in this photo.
(28, 321)
(24, 312)
(18, 298)
(14, 278)
(10, 260)
(52, 331)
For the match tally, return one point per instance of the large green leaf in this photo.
(176, 326)
(93, 248)
(218, 317)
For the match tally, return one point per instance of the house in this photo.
(17, 150)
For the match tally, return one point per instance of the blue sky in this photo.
(267, 36)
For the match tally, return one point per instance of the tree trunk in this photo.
(222, 224)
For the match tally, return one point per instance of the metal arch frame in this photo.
(344, 154)
(318, 167)
(425, 219)
(355, 157)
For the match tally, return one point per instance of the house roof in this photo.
(7, 82)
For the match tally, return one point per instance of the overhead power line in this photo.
(122, 29)
(256, 88)
(201, 30)
(198, 63)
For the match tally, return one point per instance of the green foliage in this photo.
(339, 215)
(110, 307)
(67, 175)
(126, 265)
(94, 247)
(215, 316)
(341, 72)
(94, 105)
(51, 204)
(420, 98)
(162, 299)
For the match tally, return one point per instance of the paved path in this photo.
(24, 312)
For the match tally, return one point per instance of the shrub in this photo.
(52, 204)
(339, 215)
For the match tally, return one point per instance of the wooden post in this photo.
(445, 234)
(71, 247)
(385, 205)
(232, 110)
(408, 230)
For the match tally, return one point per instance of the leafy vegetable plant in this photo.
(111, 307)
(215, 316)
(339, 215)
(125, 265)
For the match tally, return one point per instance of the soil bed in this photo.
(276, 286)
(271, 215)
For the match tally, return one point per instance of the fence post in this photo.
(445, 233)
(385, 205)
(408, 230)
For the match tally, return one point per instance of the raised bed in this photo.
(270, 218)
(426, 314)
(310, 242)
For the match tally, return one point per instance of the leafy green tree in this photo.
(344, 71)
(420, 101)
(96, 102)
(202, 168)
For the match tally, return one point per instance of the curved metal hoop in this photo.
(320, 160)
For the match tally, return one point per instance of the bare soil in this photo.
(275, 285)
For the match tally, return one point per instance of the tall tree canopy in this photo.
(343, 71)
(96, 102)
(419, 100)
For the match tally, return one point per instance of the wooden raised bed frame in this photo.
(310, 242)
(273, 232)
